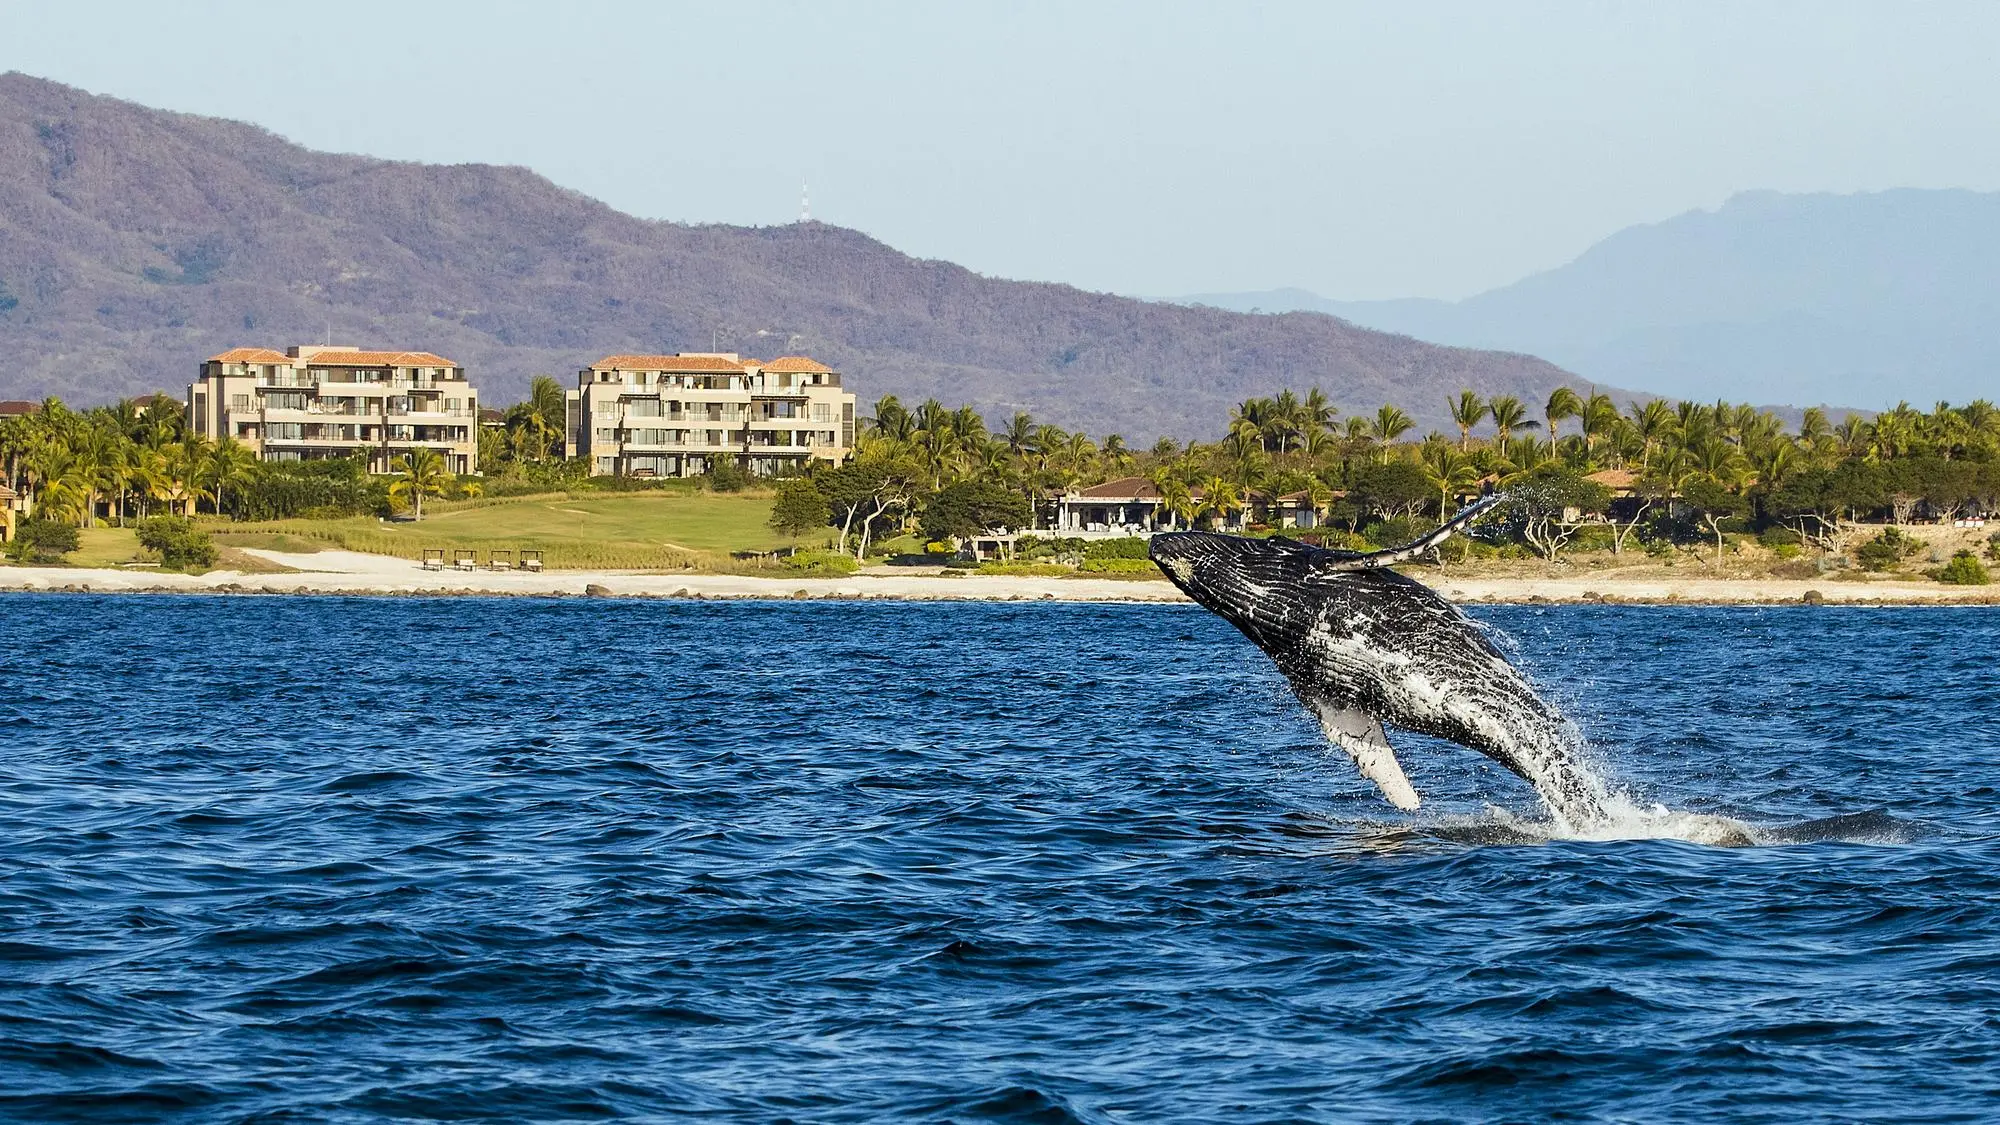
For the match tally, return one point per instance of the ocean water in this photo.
(331, 859)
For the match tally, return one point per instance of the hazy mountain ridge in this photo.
(134, 242)
(1862, 299)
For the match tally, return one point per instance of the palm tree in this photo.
(891, 420)
(1115, 453)
(545, 395)
(229, 463)
(1652, 423)
(1020, 435)
(1450, 470)
(1316, 412)
(1221, 497)
(1390, 423)
(1508, 416)
(1466, 410)
(420, 473)
(1563, 403)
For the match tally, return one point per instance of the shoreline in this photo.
(348, 573)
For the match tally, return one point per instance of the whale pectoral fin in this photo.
(1339, 563)
(1362, 736)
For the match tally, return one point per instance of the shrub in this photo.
(46, 541)
(1778, 535)
(1398, 531)
(1885, 550)
(179, 543)
(1118, 566)
(1964, 569)
(1134, 548)
(1993, 546)
(1025, 570)
(822, 564)
(726, 474)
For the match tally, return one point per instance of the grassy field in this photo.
(107, 546)
(635, 531)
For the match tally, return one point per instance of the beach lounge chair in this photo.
(531, 560)
(465, 560)
(433, 559)
(500, 560)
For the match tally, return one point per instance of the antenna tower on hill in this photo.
(805, 205)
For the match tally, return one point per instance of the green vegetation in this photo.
(43, 541)
(1964, 569)
(821, 564)
(180, 544)
(1694, 482)
(1885, 550)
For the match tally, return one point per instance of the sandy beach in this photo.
(349, 572)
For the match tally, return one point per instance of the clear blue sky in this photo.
(1359, 150)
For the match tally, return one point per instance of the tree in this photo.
(230, 463)
(1395, 489)
(1389, 424)
(1551, 504)
(1563, 403)
(1451, 473)
(1466, 410)
(1716, 505)
(419, 473)
(969, 507)
(867, 488)
(800, 507)
(1508, 416)
(545, 395)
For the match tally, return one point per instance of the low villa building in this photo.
(7, 513)
(677, 415)
(1131, 506)
(319, 401)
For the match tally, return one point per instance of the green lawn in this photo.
(626, 530)
(107, 546)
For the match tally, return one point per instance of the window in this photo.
(822, 412)
(239, 402)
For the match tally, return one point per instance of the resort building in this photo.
(319, 401)
(677, 415)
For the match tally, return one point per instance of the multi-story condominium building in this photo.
(675, 415)
(318, 401)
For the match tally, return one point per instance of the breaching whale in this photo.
(1364, 646)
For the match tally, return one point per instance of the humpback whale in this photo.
(1365, 648)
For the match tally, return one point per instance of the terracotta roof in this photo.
(671, 363)
(1614, 478)
(488, 414)
(250, 355)
(16, 407)
(1124, 488)
(798, 363)
(377, 359)
(6, 493)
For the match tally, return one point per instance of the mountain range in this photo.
(135, 242)
(1861, 300)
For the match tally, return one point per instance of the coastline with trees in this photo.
(1714, 488)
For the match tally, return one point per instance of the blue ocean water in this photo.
(348, 859)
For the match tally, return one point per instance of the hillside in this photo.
(1856, 299)
(135, 242)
